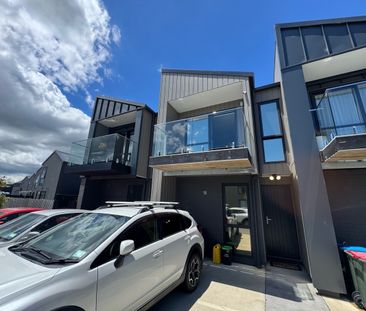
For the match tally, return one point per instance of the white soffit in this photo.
(335, 65)
(118, 120)
(209, 98)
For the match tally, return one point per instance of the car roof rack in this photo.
(142, 204)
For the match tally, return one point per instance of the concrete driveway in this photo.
(240, 287)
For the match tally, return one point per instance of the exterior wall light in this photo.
(275, 177)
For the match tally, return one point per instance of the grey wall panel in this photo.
(347, 196)
(144, 144)
(54, 166)
(68, 183)
(317, 221)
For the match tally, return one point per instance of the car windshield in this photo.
(78, 237)
(12, 229)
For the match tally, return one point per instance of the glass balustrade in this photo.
(214, 131)
(341, 111)
(110, 148)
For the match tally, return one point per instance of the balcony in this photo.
(341, 114)
(110, 154)
(209, 142)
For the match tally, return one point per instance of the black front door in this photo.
(279, 223)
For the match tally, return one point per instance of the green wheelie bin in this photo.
(357, 264)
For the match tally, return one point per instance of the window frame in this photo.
(272, 137)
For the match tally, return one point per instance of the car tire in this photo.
(192, 272)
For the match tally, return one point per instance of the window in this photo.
(314, 42)
(342, 111)
(169, 224)
(294, 52)
(79, 236)
(337, 37)
(272, 136)
(186, 222)
(9, 217)
(143, 232)
(53, 221)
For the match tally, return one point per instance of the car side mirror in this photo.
(125, 248)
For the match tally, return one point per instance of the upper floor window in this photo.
(272, 135)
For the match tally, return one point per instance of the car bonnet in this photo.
(17, 275)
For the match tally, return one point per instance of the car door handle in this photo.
(158, 253)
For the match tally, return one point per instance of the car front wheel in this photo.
(193, 273)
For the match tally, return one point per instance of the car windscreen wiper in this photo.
(30, 249)
(60, 261)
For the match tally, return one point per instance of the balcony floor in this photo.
(352, 147)
(215, 159)
(102, 168)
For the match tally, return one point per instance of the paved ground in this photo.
(240, 288)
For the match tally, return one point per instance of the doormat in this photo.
(286, 265)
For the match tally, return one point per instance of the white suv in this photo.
(118, 258)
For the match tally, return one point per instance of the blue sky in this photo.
(199, 34)
(56, 57)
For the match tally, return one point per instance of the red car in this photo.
(7, 214)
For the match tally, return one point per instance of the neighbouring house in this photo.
(113, 161)
(277, 171)
(50, 182)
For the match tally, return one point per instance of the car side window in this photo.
(169, 224)
(10, 217)
(186, 222)
(52, 221)
(142, 232)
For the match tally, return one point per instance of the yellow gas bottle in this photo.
(216, 254)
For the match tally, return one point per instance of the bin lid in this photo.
(354, 248)
(358, 255)
(227, 248)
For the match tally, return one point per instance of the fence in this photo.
(24, 202)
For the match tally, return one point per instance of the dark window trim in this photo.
(282, 135)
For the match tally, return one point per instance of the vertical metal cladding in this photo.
(181, 83)
(108, 107)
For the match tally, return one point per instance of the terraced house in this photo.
(113, 161)
(278, 171)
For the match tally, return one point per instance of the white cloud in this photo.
(46, 48)
(116, 34)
